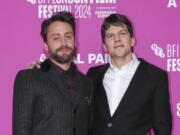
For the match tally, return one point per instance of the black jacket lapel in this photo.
(135, 84)
(102, 91)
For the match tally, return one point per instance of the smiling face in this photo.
(60, 42)
(118, 42)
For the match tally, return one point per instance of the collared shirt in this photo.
(116, 82)
(69, 77)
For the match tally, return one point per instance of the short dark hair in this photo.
(117, 20)
(59, 16)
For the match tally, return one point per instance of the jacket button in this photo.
(74, 111)
(109, 124)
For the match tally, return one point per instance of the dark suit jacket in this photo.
(42, 104)
(145, 104)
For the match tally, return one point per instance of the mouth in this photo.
(118, 46)
(65, 50)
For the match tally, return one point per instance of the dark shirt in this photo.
(69, 77)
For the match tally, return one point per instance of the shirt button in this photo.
(109, 124)
(74, 131)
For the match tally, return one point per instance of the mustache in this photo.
(65, 47)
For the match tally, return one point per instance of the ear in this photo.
(46, 47)
(132, 42)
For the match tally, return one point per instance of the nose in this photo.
(63, 42)
(117, 38)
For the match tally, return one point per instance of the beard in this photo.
(65, 58)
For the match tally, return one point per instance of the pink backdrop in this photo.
(157, 31)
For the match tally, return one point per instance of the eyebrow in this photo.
(69, 33)
(118, 31)
(54, 34)
(57, 34)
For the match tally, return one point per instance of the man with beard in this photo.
(56, 99)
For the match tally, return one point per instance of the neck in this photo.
(118, 62)
(64, 66)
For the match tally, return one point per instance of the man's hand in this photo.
(34, 64)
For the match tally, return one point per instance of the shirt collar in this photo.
(60, 71)
(127, 66)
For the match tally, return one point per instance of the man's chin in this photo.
(63, 59)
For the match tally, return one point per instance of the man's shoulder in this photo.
(28, 73)
(97, 71)
(151, 68)
(45, 67)
(98, 68)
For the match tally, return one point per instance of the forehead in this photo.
(116, 28)
(59, 27)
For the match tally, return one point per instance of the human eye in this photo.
(123, 33)
(56, 38)
(109, 36)
(69, 36)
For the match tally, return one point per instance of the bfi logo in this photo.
(31, 1)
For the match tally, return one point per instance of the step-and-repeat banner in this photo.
(157, 32)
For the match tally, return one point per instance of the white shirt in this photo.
(116, 82)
